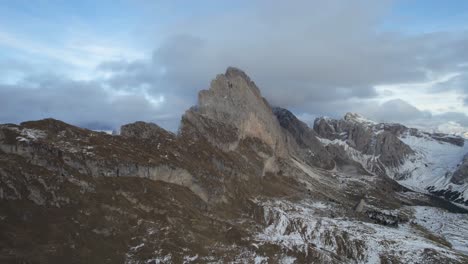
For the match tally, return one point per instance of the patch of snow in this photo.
(109, 132)
(135, 248)
(453, 227)
(260, 260)
(294, 226)
(28, 134)
(367, 161)
(359, 119)
(288, 260)
(431, 165)
(188, 259)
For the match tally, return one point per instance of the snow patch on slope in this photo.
(367, 161)
(453, 227)
(355, 117)
(27, 134)
(295, 226)
(431, 165)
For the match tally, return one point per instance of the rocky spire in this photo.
(233, 99)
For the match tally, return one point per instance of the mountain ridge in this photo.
(240, 182)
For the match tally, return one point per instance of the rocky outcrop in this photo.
(144, 130)
(359, 207)
(460, 176)
(384, 218)
(303, 140)
(144, 150)
(455, 140)
(365, 136)
(418, 159)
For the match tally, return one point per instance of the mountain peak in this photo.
(237, 76)
(234, 71)
(355, 117)
(234, 100)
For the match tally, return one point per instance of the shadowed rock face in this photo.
(367, 137)
(460, 176)
(303, 141)
(421, 160)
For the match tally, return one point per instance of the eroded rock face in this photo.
(460, 176)
(367, 137)
(303, 142)
(63, 148)
(417, 159)
(235, 101)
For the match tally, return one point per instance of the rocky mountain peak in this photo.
(143, 130)
(49, 124)
(235, 101)
(355, 117)
(233, 72)
(366, 137)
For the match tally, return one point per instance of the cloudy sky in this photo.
(100, 64)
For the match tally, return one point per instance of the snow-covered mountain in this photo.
(241, 182)
(421, 161)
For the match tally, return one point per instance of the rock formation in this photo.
(235, 101)
(416, 159)
(460, 176)
(302, 140)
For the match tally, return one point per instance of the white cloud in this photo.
(422, 95)
(81, 56)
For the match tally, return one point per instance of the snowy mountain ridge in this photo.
(429, 167)
(432, 166)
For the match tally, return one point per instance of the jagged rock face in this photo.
(391, 149)
(366, 137)
(455, 140)
(234, 100)
(460, 176)
(417, 159)
(307, 146)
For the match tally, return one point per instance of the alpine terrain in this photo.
(240, 182)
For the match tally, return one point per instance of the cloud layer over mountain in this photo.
(316, 58)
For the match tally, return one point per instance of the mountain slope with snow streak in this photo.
(421, 161)
(302, 227)
(432, 166)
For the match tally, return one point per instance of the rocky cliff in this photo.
(460, 176)
(303, 141)
(235, 101)
(366, 137)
